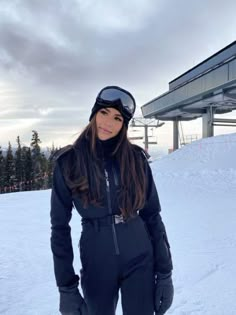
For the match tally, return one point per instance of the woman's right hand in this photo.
(71, 301)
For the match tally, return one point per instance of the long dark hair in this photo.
(83, 171)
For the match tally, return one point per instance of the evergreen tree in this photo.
(27, 166)
(53, 150)
(1, 171)
(9, 169)
(19, 164)
(44, 171)
(37, 160)
(29, 169)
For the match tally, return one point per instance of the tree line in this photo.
(27, 168)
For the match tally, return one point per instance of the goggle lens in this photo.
(115, 94)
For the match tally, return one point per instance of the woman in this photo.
(123, 244)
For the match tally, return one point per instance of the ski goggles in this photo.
(112, 94)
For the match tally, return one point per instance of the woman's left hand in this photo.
(164, 293)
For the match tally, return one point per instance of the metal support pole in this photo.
(207, 123)
(144, 123)
(176, 134)
(146, 137)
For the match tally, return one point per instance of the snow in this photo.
(197, 189)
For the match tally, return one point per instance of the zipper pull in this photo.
(107, 180)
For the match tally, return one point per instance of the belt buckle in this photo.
(118, 219)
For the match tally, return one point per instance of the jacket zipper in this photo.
(115, 176)
(110, 212)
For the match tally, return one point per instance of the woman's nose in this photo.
(108, 121)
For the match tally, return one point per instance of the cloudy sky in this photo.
(56, 55)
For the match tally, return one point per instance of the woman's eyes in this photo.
(119, 119)
(103, 112)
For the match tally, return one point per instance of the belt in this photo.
(107, 220)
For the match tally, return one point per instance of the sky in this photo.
(56, 55)
(197, 190)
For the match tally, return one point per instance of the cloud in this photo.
(57, 54)
(74, 44)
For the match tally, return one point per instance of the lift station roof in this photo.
(210, 83)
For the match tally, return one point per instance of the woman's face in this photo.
(109, 122)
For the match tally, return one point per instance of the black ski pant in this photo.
(114, 258)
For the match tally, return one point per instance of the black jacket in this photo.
(62, 203)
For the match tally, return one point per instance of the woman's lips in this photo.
(105, 130)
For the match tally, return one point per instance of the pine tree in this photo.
(37, 160)
(53, 150)
(44, 171)
(9, 169)
(19, 164)
(27, 166)
(1, 171)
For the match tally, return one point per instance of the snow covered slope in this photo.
(197, 189)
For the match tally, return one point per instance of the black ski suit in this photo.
(114, 255)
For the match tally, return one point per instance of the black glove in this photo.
(71, 301)
(164, 293)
